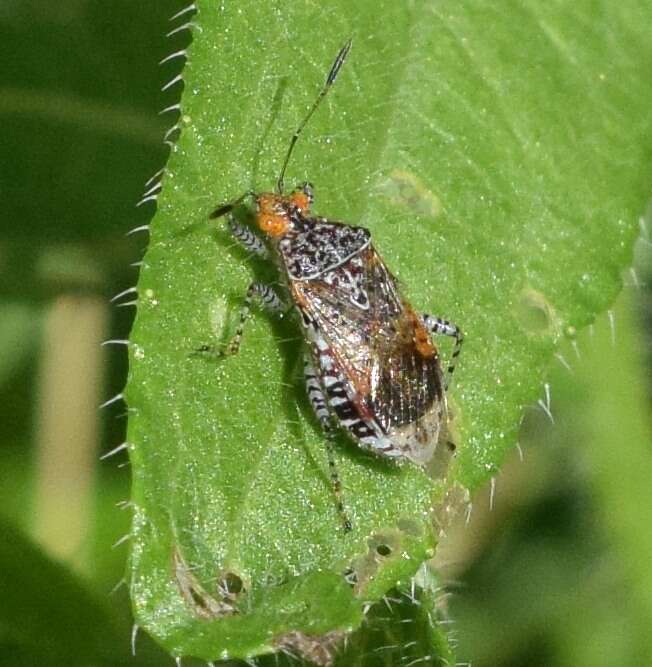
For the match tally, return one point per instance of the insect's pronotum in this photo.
(370, 365)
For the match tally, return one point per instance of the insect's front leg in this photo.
(246, 238)
(439, 326)
(270, 302)
(318, 402)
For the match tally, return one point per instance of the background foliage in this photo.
(81, 136)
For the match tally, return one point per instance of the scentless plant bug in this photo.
(370, 365)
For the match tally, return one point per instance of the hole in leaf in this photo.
(383, 550)
(230, 585)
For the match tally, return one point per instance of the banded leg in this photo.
(246, 238)
(443, 327)
(270, 301)
(308, 190)
(318, 402)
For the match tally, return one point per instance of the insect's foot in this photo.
(231, 349)
(209, 352)
(346, 522)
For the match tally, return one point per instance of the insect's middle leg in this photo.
(439, 326)
(270, 302)
(318, 402)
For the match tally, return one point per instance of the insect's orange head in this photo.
(272, 214)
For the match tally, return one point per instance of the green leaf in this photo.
(565, 580)
(407, 627)
(47, 616)
(80, 135)
(498, 154)
(616, 421)
(19, 330)
(97, 129)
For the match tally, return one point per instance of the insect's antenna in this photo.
(226, 208)
(337, 65)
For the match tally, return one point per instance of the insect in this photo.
(370, 365)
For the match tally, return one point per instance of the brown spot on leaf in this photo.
(406, 189)
(200, 602)
(318, 649)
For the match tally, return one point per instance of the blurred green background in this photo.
(559, 572)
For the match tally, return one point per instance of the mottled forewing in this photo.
(379, 349)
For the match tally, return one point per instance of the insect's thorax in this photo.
(306, 246)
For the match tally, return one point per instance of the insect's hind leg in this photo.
(318, 402)
(269, 300)
(439, 326)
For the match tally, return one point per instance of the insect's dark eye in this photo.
(231, 583)
(307, 190)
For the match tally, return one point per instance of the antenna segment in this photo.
(330, 79)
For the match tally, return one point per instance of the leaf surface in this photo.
(498, 154)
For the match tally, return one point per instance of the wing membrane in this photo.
(379, 345)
